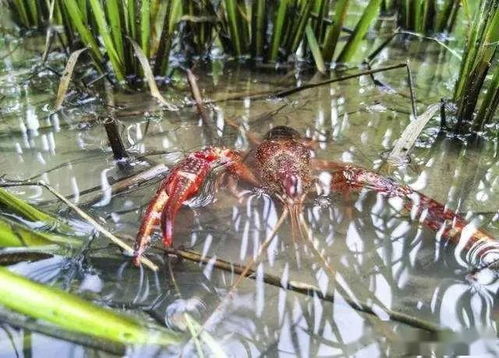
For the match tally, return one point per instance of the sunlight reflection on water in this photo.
(376, 253)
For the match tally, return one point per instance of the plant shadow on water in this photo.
(379, 256)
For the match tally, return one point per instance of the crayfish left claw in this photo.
(183, 182)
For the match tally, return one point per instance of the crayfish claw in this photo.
(182, 183)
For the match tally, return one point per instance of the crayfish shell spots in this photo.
(283, 165)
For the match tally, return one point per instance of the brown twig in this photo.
(297, 286)
(200, 105)
(113, 135)
(287, 92)
(115, 142)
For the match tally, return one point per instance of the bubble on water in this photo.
(91, 283)
(175, 316)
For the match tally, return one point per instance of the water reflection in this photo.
(368, 251)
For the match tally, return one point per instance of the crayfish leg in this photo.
(448, 224)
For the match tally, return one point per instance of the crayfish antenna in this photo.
(295, 215)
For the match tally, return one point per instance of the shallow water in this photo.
(377, 256)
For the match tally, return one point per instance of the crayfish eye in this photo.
(282, 132)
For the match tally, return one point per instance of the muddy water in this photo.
(373, 256)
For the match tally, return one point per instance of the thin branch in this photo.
(287, 92)
(291, 91)
(200, 105)
(411, 89)
(298, 287)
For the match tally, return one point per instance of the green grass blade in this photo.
(473, 44)
(445, 14)
(353, 44)
(304, 15)
(114, 16)
(78, 23)
(72, 313)
(314, 47)
(131, 20)
(83, 5)
(145, 26)
(33, 12)
(407, 14)
(418, 15)
(13, 234)
(428, 15)
(475, 80)
(29, 212)
(173, 14)
(490, 103)
(332, 35)
(232, 18)
(22, 12)
(278, 29)
(321, 9)
(259, 28)
(100, 19)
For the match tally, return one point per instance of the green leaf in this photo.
(232, 18)
(100, 18)
(353, 44)
(28, 212)
(78, 22)
(114, 16)
(13, 234)
(145, 26)
(316, 51)
(332, 35)
(74, 314)
(278, 29)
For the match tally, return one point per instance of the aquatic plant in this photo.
(272, 31)
(265, 31)
(52, 305)
(108, 28)
(473, 91)
(29, 13)
(33, 227)
(73, 313)
(425, 16)
(127, 37)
